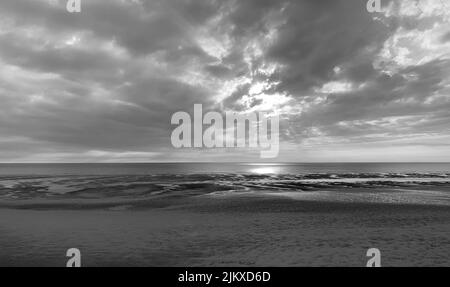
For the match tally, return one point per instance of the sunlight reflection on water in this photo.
(267, 170)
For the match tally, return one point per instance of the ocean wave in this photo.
(116, 191)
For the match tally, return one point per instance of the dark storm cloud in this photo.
(314, 41)
(97, 100)
(417, 104)
(103, 84)
(446, 37)
(142, 27)
(70, 62)
(316, 36)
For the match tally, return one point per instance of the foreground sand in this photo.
(229, 231)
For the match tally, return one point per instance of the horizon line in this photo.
(237, 162)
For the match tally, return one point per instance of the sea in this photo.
(58, 169)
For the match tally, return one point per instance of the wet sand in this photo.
(238, 230)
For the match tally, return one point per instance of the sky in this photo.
(103, 84)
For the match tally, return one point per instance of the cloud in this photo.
(102, 85)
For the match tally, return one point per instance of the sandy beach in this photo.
(229, 231)
(226, 219)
